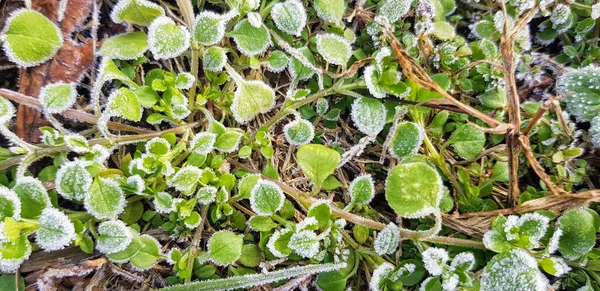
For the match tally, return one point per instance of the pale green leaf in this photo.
(414, 190)
(58, 97)
(141, 12)
(368, 115)
(266, 198)
(105, 199)
(467, 141)
(250, 98)
(289, 16)
(225, 247)
(214, 59)
(513, 270)
(166, 39)
(331, 11)
(33, 196)
(317, 161)
(127, 46)
(250, 40)
(124, 102)
(334, 48)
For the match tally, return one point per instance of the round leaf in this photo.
(167, 40)
(105, 199)
(299, 131)
(225, 247)
(368, 115)
(123, 102)
(467, 141)
(266, 198)
(331, 11)
(251, 40)
(414, 190)
(289, 16)
(141, 12)
(578, 233)
(407, 139)
(56, 230)
(33, 196)
(58, 97)
(113, 236)
(334, 48)
(513, 270)
(73, 180)
(362, 190)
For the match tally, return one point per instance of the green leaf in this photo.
(407, 139)
(10, 205)
(127, 46)
(58, 97)
(581, 88)
(148, 253)
(522, 267)
(368, 115)
(442, 30)
(245, 186)
(30, 38)
(321, 211)
(225, 247)
(334, 48)
(203, 142)
(164, 203)
(7, 111)
(266, 198)
(186, 179)
(250, 98)
(109, 71)
(299, 131)
(362, 190)
(124, 102)
(104, 199)
(278, 61)
(262, 223)
(250, 256)
(289, 16)
(577, 233)
(331, 11)
(214, 59)
(228, 142)
(300, 71)
(8, 281)
(387, 240)
(73, 180)
(467, 141)
(167, 40)
(250, 40)
(317, 162)
(141, 12)
(113, 236)
(414, 190)
(206, 195)
(13, 254)
(56, 230)
(33, 196)
(393, 10)
(304, 243)
(209, 28)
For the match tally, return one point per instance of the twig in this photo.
(539, 170)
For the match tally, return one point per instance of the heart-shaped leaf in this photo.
(30, 38)
(229, 141)
(414, 190)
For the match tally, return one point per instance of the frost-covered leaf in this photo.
(77, 143)
(148, 253)
(255, 19)
(331, 11)
(10, 205)
(414, 189)
(7, 111)
(184, 81)
(32, 195)
(214, 59)
(278, 61)
(73, 180)
(513, 270)
(167, 40)
(56, 230)
(164, 203)
(368, 115)
(127, 46)
(334, 48)
(380, 274)
(442, 30)
(229, 141)
(141, 12)
(109, 71)
(468, 142)
(581, 88)
(300, 71)
(206, 195)
(578, 233)
(13, 254)
(362, 190)
(321, 211)
(250, 98)
(193, 220)
(113, 236)
(123, 102)
(203, 142)
(289, 16)
(246, 184)
(131, 250)
(104, 199)
(261, 223)
(225, 247)
(464, 262)
(250, 40)
(317, 162)
(393, 10)
(185, 180)
(554, 266)
(387, 240)
(407, 139)
(266, 198)
(299, 131)
(595, 131)
(158, 146)
(58, 97)
(209, 28)
(30, 38)
(434, 260)
(304, 243)
(371, 76)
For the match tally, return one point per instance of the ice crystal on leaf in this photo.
(113, 236)
(368, 115)
(581, 88)
(58, 97)
(299, 131)
(334, 48)
(141, 12)
(250, 98)
(595, 131)
(13, 254)
(266, 198)
(578, 233)
(32, 195)
(148, 253)
(7, 111)
(209, 27)
(595, 11)
(393, 10)
(362, 190)
(214, 59)
(251, 40)
(56, 230)
(166, 39)
(77, 143)
(73, 180)
(406, 140)
(136, 183)
(158, 146)
(414, 189)
(184, 81)
(225, 247)
(331, 11)
(387, 240)
(463, 261)
(186, 179)
(513, 270)
(255, 19)
(105, 199)
(229, 141)
(163, 203)
(124, 103)
(29, 38)
(304, 243)
(381, 273)
(278, 243)
(11, 205)
(206, 195)
(203, 142)
(278, 61)
(289, 16)
(127, 46)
